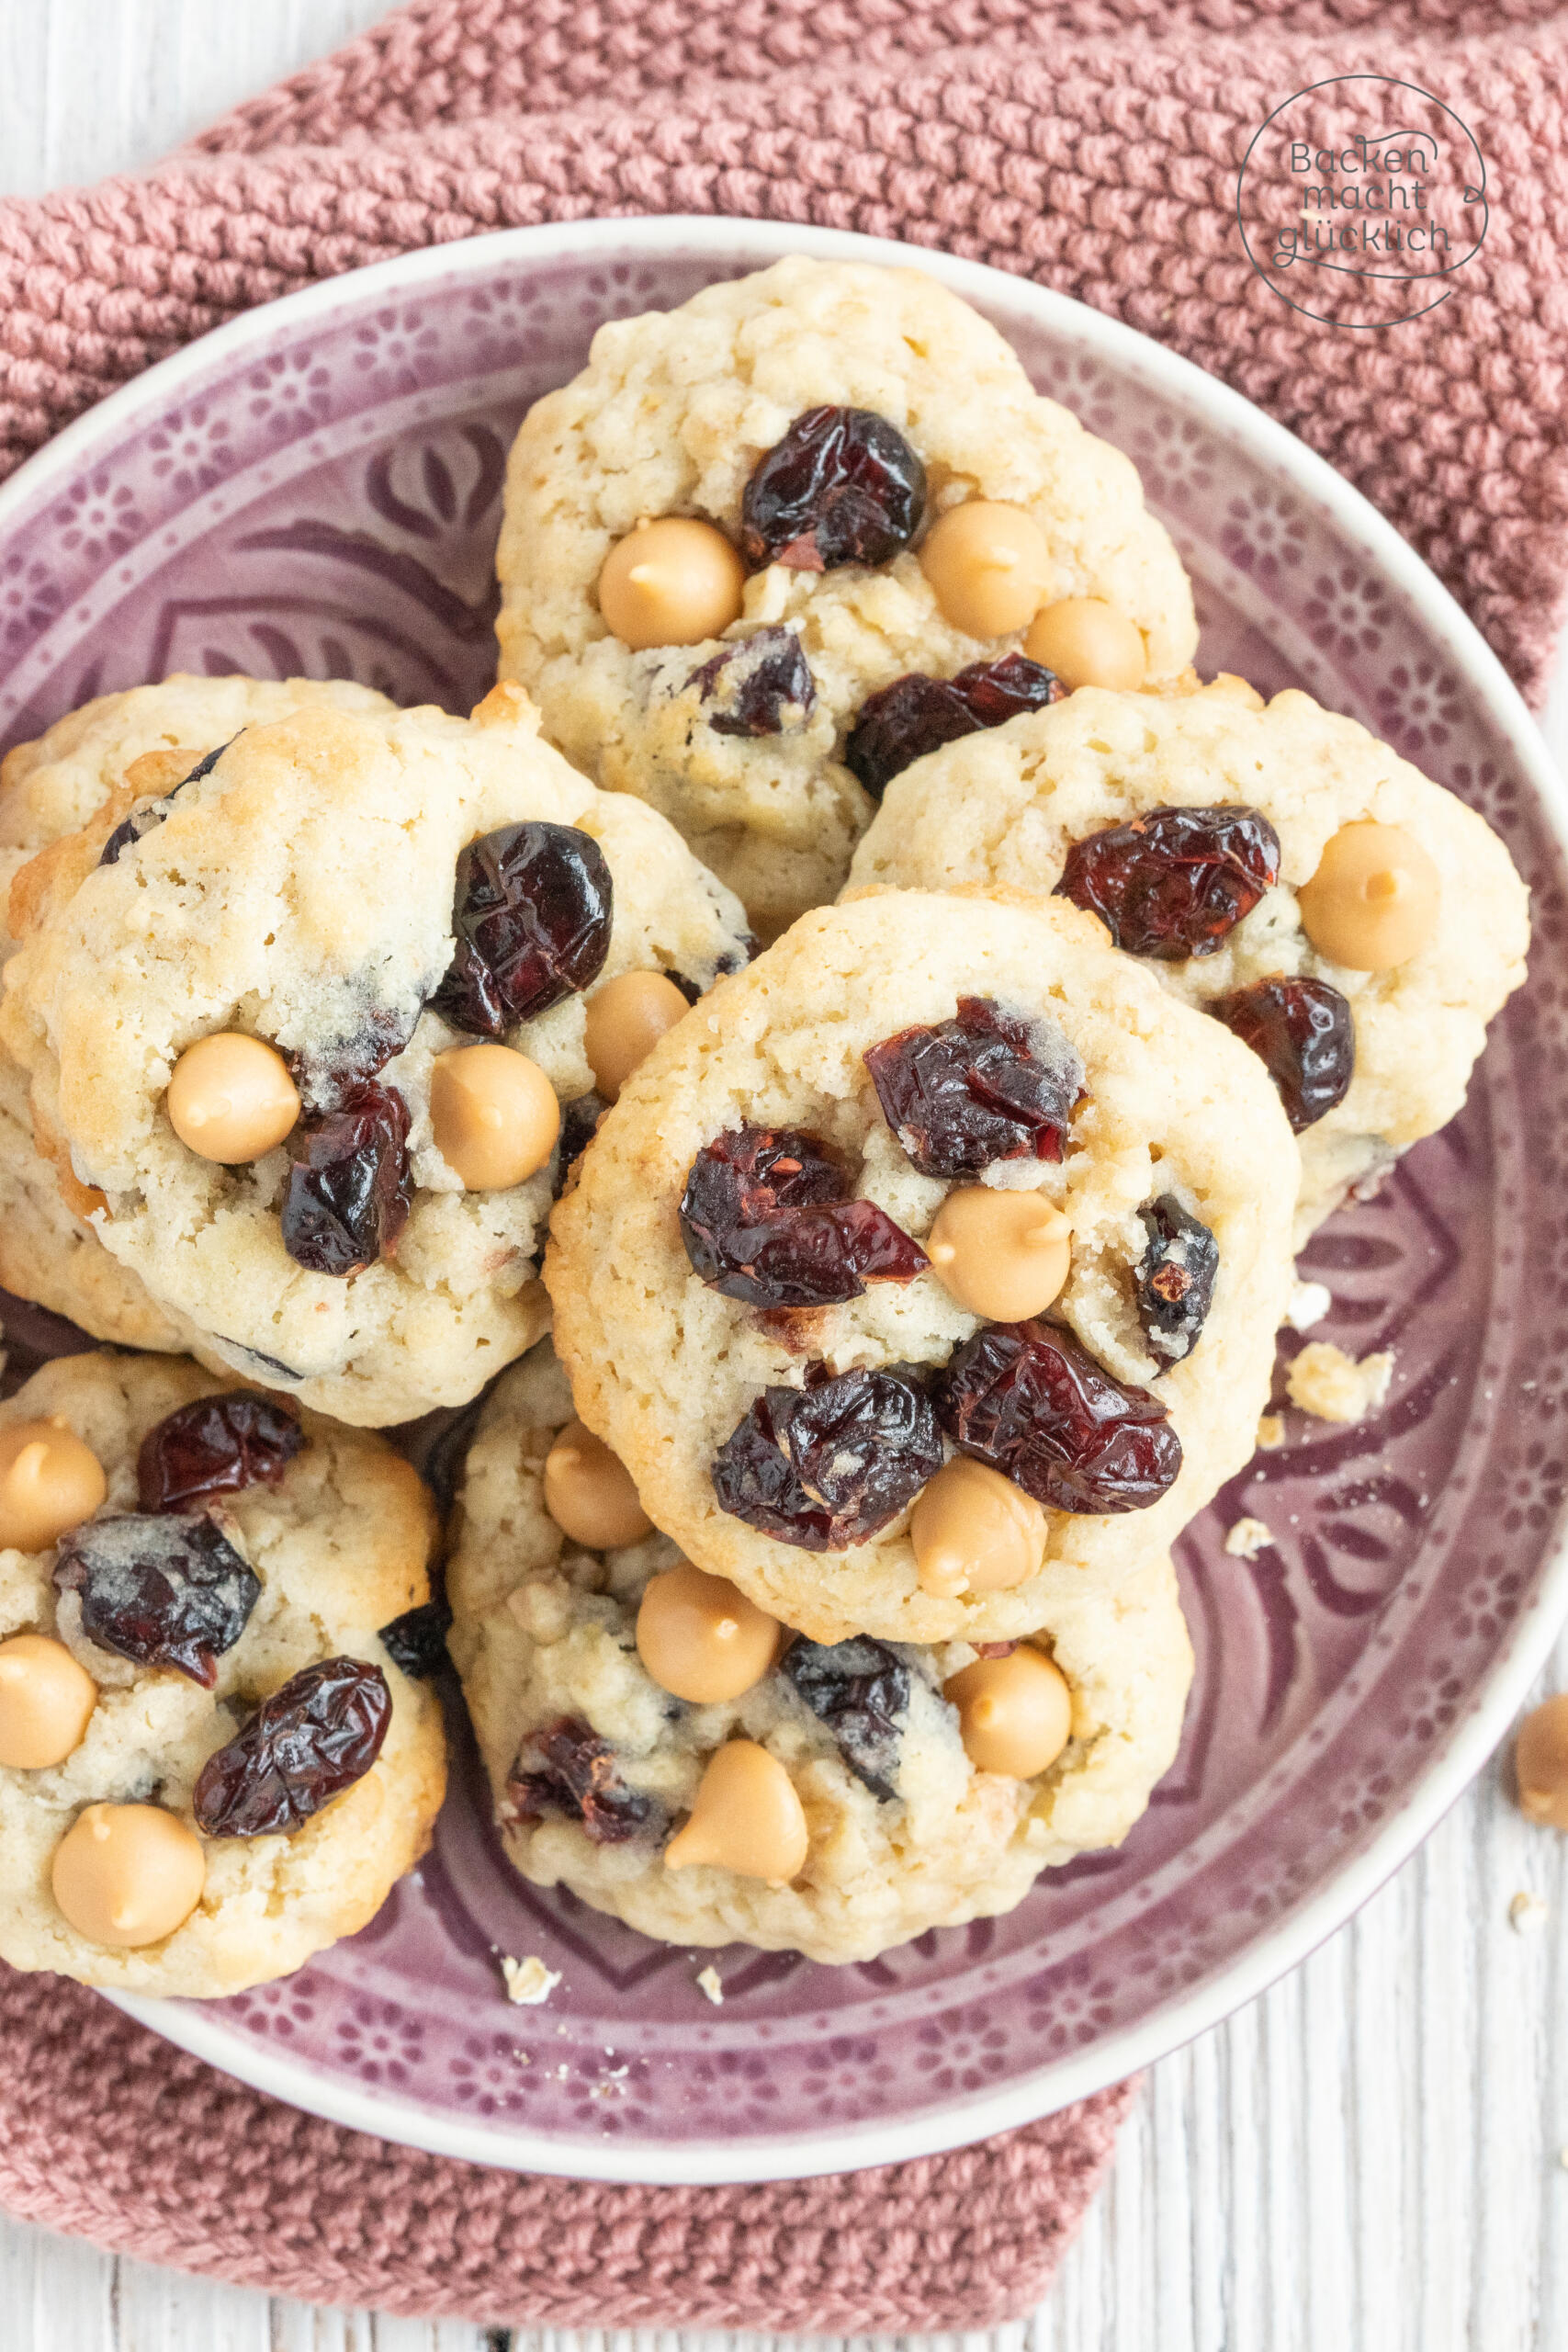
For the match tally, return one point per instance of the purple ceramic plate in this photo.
(316, 488)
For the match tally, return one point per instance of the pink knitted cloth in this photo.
(1092, 145)
(109, 2133)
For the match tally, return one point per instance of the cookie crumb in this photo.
(1270, 1433)
(711, 1982)
(1310, 1302)
(528, 1982)
(1326, 1382)
(1526, 1912)
(1247, 1538)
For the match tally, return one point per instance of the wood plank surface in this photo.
(1374, 2157)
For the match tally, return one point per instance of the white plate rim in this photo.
(956, 2122)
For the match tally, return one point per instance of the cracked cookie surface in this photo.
(1003, 809)
(666, 1367)
(52, 786)
(671, 418)
(337, 1547)
(545, 1631)
(300, 890)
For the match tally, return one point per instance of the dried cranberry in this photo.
(567, 1769)
(159, 1591)
(215, 1447)
(843, 486)
(579, 1124)
(1175, 882)
(333, 1070)
(1175, 1279)
(759, 687)
(860, 1688)
(147, 818)
(1026, 1399)
(1305, 1032)
(988, 1085)
(766, 1218)
(915, 715)
(417, 1640)
(303, 1747)
(531, 918)
(349, 1198)
(828, 1464)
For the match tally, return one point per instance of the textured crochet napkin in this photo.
(109, 2133)
(1091, 144)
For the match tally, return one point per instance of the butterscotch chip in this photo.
(988, 565)
(494, 1114)
(125, 1875)
(46, 1701)
(1540, 1761)
(49, 1481)
(1374, 899)
(1005, 1256)
(1088, 643)
(674, 581)
(625, 1019)
(590, 1493)
(230, 1098)
(745, 1817)
(1016, 1712)
(974, 1531)
(700, 1638)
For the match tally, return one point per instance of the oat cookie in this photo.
(1006, 809)
(545, 1639)
(738, 731)
(52, 787)
(52, 1256)
(129, 1568)
(55, 784)
(223, 1003)
(740, 1275)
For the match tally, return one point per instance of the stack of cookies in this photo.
(856, 1320)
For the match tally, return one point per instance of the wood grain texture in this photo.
(1368, 2159)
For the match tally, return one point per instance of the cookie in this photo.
(1362, 933)
(794, 586)
(865, 1793)
(937, 1170)
(247, 1010)
(55, 784)
(52, 787)
(53, 1257)
(162, 1625)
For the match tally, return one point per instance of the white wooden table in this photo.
(1371, 2158)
